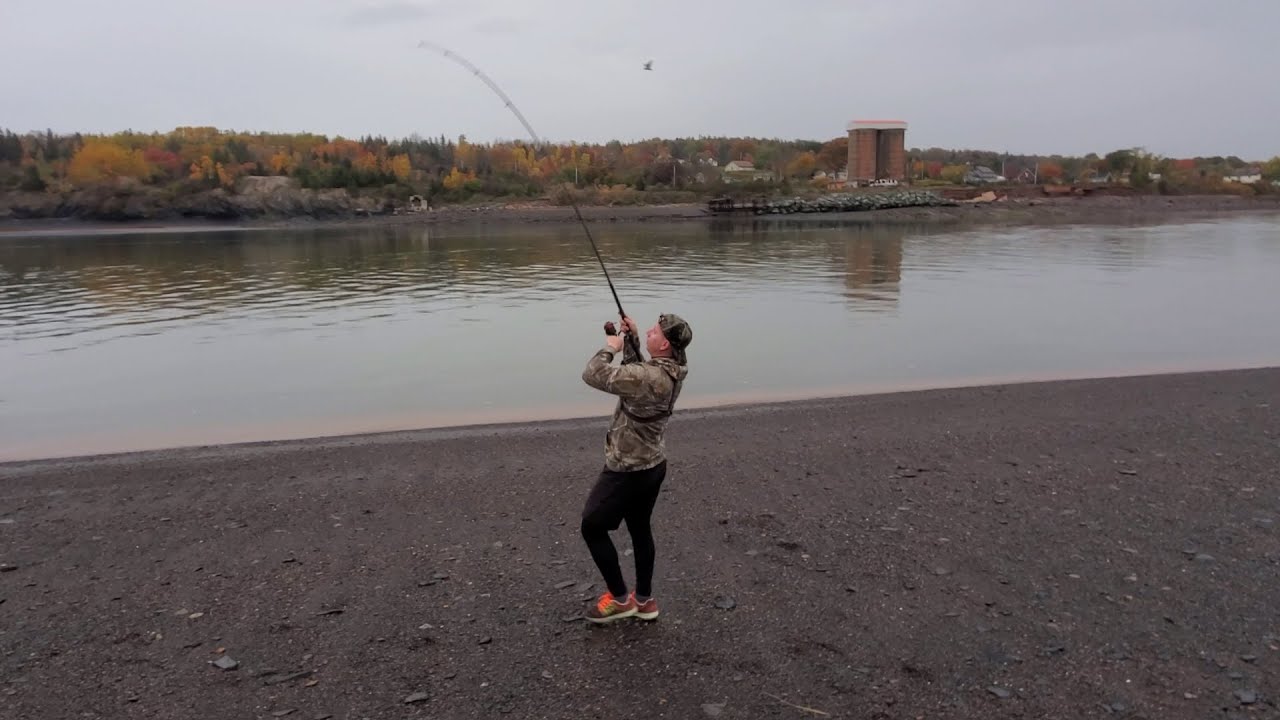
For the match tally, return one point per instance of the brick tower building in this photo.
(877, 151)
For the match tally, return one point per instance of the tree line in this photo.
(202, 158)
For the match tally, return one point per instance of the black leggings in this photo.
(619, 496)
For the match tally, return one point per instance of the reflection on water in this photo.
(98, 289)
(873, 269)
(115, 341)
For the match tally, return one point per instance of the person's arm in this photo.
(625, 381)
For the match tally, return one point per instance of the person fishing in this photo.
(635, 462)
(635, 454)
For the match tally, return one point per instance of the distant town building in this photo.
(744, 171)
(982, 175)
(1248, 176)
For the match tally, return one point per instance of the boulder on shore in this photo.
(850, 202)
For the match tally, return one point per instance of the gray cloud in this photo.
(1180, 77)
(388, 13)
(497, 26)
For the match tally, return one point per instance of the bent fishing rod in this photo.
(538, 141)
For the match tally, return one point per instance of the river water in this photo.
(137, 340)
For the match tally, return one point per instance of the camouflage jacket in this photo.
(647, 392)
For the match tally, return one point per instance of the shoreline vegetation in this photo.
(204, 174)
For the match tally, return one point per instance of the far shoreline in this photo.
(1010, 211)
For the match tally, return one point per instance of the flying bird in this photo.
(648, 65)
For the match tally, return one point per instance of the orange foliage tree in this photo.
(802, 166)
(99, 160)
(834, 154)
(1050, 171)
(457, 180)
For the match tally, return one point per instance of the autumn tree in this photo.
(366, 162)
(834, 154)
(1050, 171)
(458, 180)
(399, 167)
(100, 159)
(743, 149)
(465, 154)
(205, 169)
(526, 161)
(281, 163)
(802, 165)
(165, 161)
(954, 173)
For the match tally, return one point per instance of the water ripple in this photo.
(81, 293)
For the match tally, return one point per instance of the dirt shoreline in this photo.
(1084, 548)
(1014, 210)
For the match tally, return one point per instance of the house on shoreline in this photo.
(745, 171)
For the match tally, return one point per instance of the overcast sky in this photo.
(1180, 77)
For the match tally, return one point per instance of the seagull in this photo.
(648, 65)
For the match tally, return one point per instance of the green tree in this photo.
(1143, 164)
(10, 147)
(31, 180)
(1120, 161)
(1271, 169)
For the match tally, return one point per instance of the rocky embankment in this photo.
(254, 197)
(854, 202)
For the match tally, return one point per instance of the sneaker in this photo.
(608, 609)
(647, 610)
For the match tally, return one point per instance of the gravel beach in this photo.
(1096, 548)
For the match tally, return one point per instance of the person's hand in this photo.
(614, 342)
(629, 326)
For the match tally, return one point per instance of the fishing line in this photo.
(538, 141)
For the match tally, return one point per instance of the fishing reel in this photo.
(611, 330)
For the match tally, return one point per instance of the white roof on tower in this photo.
(877, 125)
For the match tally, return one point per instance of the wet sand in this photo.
(1091, 548)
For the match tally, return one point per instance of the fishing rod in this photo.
(609, 329)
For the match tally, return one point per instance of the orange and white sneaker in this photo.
(607, 609)
(647, 610)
